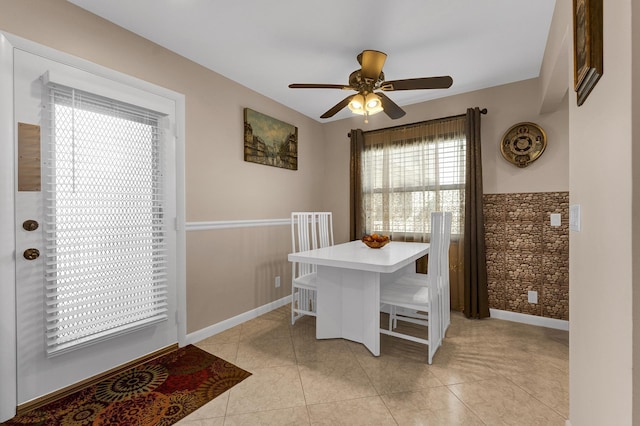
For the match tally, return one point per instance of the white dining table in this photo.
(348, 286)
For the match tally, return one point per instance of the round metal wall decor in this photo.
(523, 143)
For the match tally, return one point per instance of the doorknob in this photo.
(30, 225)
(31, 254)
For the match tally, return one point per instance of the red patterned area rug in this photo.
(158, 392)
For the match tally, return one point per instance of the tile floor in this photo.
(488, 372)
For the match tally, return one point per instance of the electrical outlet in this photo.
(278, 281)
(533, 296)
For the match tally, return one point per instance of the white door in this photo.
(41, 369)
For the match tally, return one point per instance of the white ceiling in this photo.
(265, 45)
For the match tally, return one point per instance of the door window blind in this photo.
(105, 254)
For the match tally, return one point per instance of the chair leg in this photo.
(294, 297)
(392, 317)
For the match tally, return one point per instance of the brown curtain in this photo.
(357, 142)
(476, 296)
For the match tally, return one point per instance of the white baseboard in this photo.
(530, 319)
(202, 334)
(214, 329)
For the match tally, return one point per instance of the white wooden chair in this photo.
(309, 230)
(303, 275)
(418, 298)
(443, 227)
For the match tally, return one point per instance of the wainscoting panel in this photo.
(525, 253)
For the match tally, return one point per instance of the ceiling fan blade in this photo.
(337, 107)
(319, 86)
(390, 108)
(443, 82)
(372, 62)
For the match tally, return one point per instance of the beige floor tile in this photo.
(353, 412)
(390, 375)
(553, 391)
(231, 335)
(549, 351)
(517, 362)
(266, 352)
(473, 330)
(304, 328)
(260, 328)
(226, 351)
(499, 401)
(330, 381)
(434, 406)
(309, 350)
(462, 366)
(283, 313)
(360, 349)
(283, 417)
(267, 389)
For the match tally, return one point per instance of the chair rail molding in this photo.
(230, 224)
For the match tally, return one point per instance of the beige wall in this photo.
(635, 156)
(601, 169)
(506, 105)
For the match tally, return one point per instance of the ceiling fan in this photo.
(369, 84)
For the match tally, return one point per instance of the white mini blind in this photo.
(105, 254)
(408, 172)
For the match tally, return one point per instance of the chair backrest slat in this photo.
(324, 225)
(434, 264)
(444, 272)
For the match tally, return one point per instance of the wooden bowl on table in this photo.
(375, 240)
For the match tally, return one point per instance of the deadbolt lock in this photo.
(30, 225)
(31, 254)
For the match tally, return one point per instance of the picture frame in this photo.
(587, 46)
(269, 141)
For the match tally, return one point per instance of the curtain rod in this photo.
(483, 111)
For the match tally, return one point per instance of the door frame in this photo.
(8, 173)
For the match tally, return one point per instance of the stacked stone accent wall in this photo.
(524, 252)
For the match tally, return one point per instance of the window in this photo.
(105, 224)
(408, 172)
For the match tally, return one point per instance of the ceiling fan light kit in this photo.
(370, 78)
(366, 105)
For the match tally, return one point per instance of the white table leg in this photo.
(349, 306)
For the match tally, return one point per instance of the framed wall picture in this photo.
(269, 141)
(587, 46)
